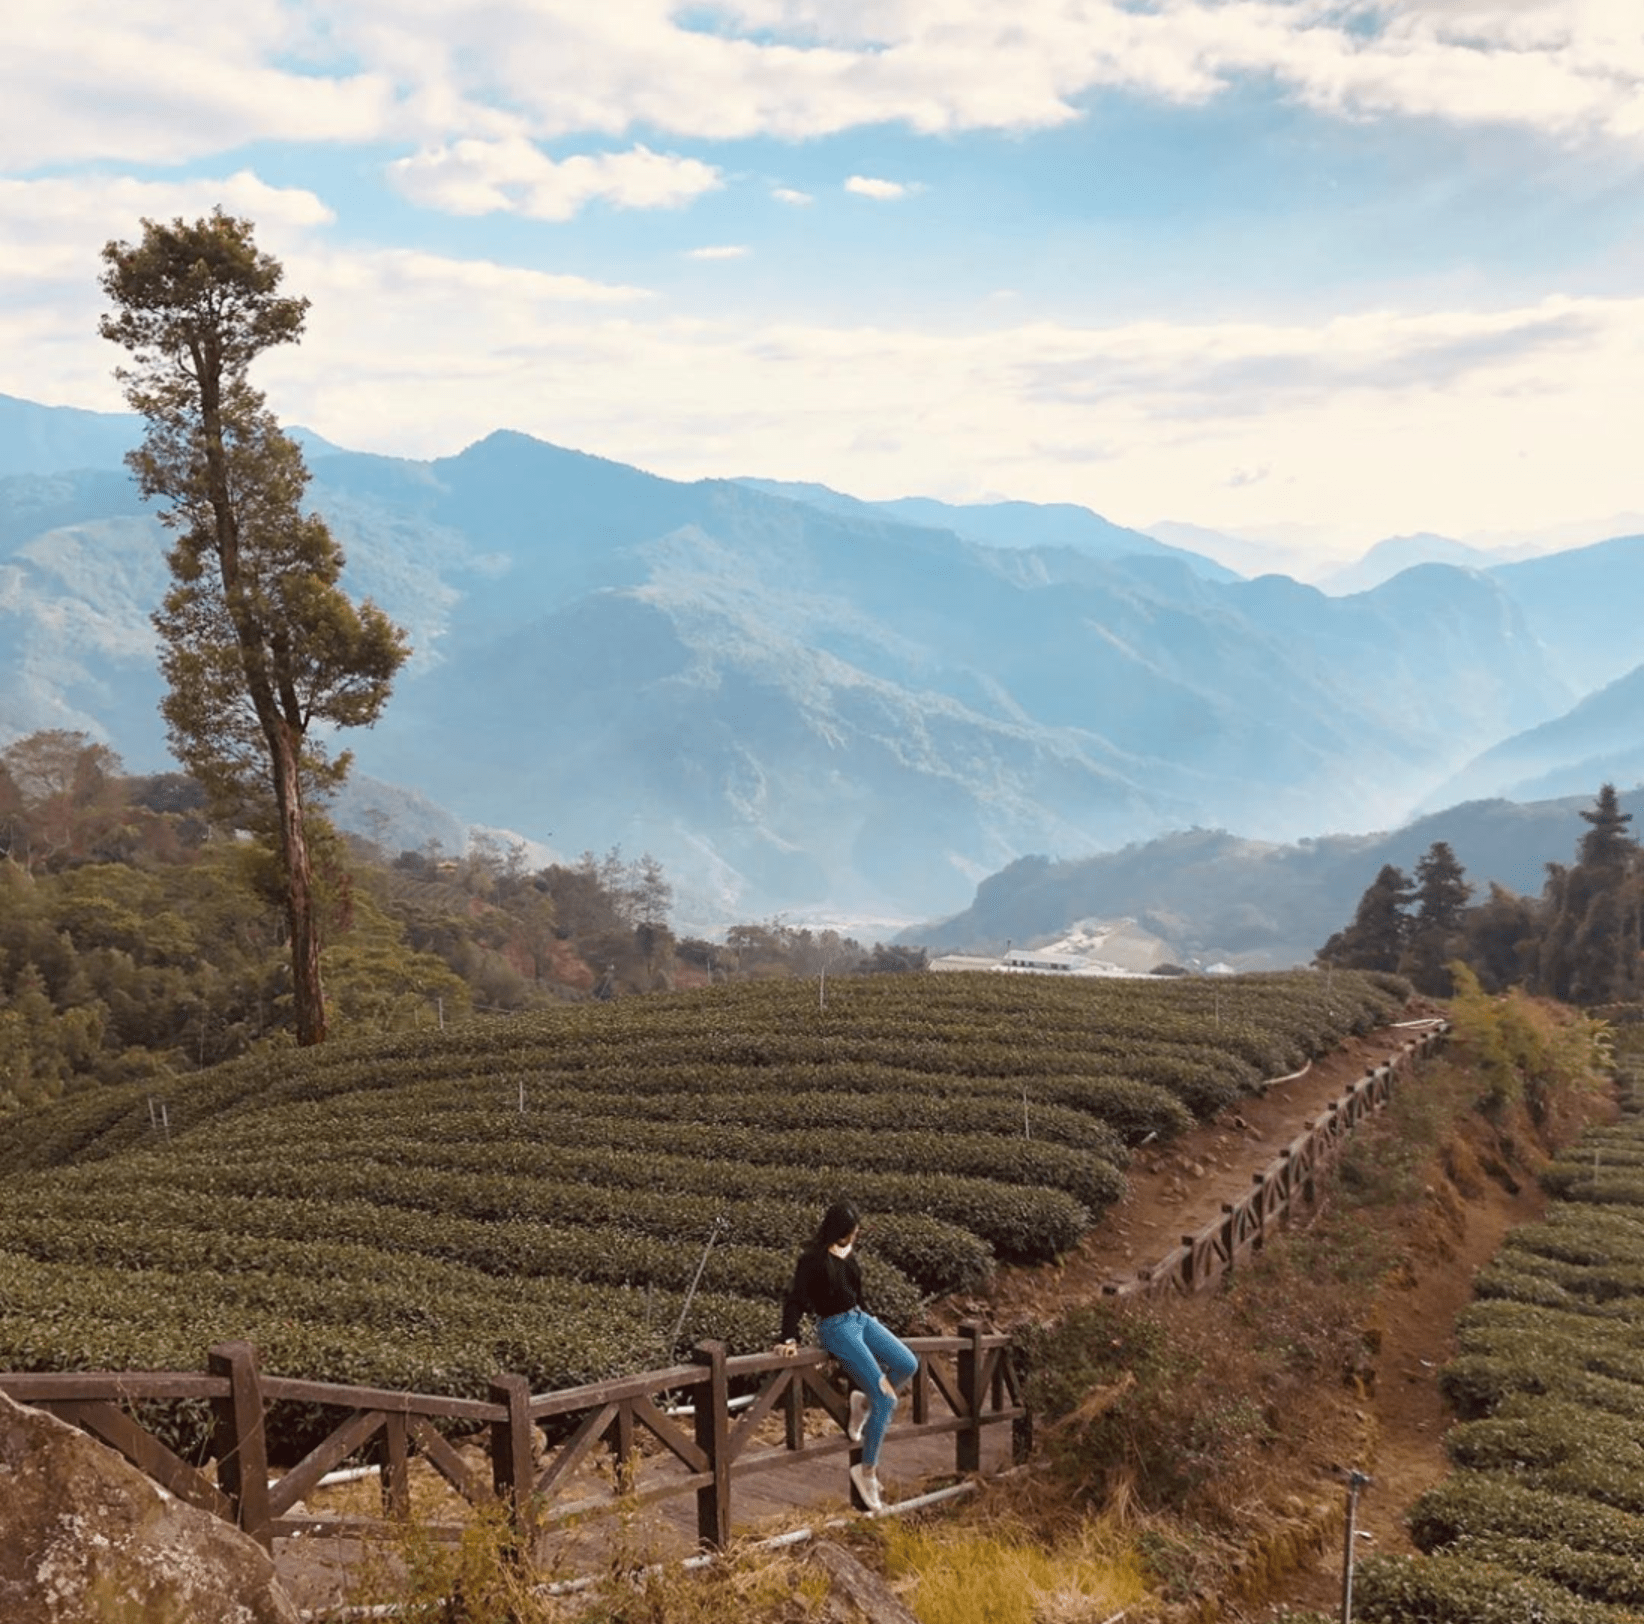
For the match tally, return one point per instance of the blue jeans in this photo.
(864, 1347)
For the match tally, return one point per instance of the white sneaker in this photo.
(866, 1480)
(859, 1415)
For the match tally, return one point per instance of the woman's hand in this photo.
(786, 1350)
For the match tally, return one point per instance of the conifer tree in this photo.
(1590, 950)
(259, 642)
(1375, 939)
(1435, 933)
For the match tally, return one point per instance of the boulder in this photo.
(86, 1538)
(856, 1594)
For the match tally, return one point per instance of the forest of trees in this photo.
(1579, 941)
(138, 937)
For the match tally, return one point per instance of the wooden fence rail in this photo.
(1290, 1182)
(963, 1385)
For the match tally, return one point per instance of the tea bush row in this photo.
(1493, 1505)
(269, 1237)
(1544, 1516)
(1615, 1578)
(937, 1256)
(1021, 1224)
(1022, 1027)
(581, 1147)
(1459, 1590)
(535, 1111)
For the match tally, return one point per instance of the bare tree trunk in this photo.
(284, 743)
(308, 994)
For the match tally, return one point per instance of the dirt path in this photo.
(1405, 1414)
(1176, 1190)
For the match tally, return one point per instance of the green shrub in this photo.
(1596, 1575)
(1489, 1505)
(1458, 1590)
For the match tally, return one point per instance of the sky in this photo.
(1320, 271)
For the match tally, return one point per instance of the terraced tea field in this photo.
(536, 1195)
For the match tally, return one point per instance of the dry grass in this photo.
(1006, 1572)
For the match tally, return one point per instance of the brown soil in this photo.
(1404, 1416)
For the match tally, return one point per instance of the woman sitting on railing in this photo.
(827, 1282)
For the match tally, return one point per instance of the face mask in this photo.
(840, 1253)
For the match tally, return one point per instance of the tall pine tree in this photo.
(1590, 948)
(1435, 934)
(1375, 939)
(259, 642)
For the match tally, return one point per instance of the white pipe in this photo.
(732, 1404)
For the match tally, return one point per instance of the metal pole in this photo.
(720, 1226)
(1356, 1480)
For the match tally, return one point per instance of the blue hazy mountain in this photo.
(1585, 606)
(37, 439)
(794, 704)
(1239, 554)
(1001, 524)
(1398, 553)
(48, 439)
(1600, 740)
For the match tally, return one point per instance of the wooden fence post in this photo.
(713, 1438)
(967, 1453)
(512, 1469)
(396, 1468)
(241, 1439)
(1021, 1429)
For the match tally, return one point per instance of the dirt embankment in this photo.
(1477, 1189)
(1176, 1190)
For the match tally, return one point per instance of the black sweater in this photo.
(822, 1285)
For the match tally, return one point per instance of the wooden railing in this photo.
(1290, 1182)
(963, 1385)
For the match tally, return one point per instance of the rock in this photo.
(85, 1536)
(857, 1594)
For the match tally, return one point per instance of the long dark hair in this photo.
(837, 1224)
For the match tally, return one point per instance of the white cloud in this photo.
(884, 190)
(786, 194)
(1385, 422)
(1441, 417)
(515, 176)
(55, 228)
(163, 80)
(798, 68)
(728, 250)
(49, 269)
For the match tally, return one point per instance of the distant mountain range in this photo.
(800, 702)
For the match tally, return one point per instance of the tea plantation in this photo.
(1544, 1516)
(535, 1195)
